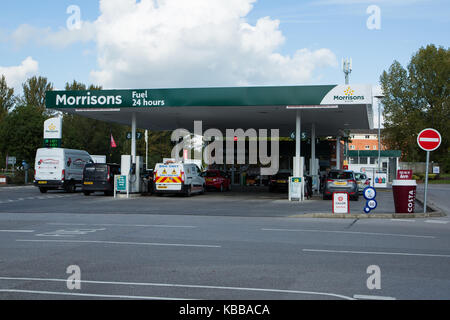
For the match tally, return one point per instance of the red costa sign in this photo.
(404, 174)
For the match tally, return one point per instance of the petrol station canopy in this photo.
(332, 108)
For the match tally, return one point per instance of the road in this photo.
(438, 194)
(183, 255)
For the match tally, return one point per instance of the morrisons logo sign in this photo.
(349, 95)
(87, 100)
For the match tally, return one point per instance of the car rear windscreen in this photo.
(340, 175)
(95, 171)
(211, 174)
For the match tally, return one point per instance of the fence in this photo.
(417, 167)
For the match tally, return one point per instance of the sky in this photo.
(203, 43)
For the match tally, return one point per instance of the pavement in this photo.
(247, 201)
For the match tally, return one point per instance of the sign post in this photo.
(296, 189)
(428, 140)
(53, 132)
(121, 184)
(341, 202)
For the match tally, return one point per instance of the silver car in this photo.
(362, 180)
(341, 181)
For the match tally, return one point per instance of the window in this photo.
(367, 137)
(367, 147)
(373, 160)
(362, 160)
(352, 147)
(353, 160)
(374, 147)
(340, 175)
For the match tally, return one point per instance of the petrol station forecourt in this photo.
(318, 110)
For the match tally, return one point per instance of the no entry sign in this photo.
(429, 139)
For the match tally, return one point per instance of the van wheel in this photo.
(43, 190)
(87, 193)
(189, 191)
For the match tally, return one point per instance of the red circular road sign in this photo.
(429, 139)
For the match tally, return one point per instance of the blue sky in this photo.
(339, 26)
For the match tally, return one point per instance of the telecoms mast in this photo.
(347, 68)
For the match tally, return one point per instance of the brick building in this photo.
(364, 140)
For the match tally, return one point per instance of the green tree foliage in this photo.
(21, 133)
(6, 98)
(416, 98)
(34, 92)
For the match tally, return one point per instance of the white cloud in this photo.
(16, 75)
(46, 37)
(172, 43)
(179, 43)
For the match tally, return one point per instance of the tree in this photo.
(21, 133)
(416, 98)
(6, 98)
(34, 92)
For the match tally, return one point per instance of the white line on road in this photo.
(351, 232)
(88, 295)
(126, 243)
(369, 297)
(379, 253)
(437, 221)
(19, 231)
(188, 286)
(120, 225)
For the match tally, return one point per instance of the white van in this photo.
(171, 177)
(58, 168)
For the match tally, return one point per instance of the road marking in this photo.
(437, 221)
(369, 297)
(191, 286)
(88, 295)
(352, 232)
(120, 225)
(379, 253)
(404, 220)
(19, 231)
(68, 233)
(126, 243)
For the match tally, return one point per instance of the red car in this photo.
(216, 179)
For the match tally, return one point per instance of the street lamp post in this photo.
(379, 97)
